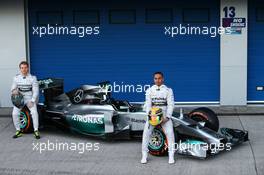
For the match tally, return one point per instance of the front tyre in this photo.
(25, 119)
(158, 144)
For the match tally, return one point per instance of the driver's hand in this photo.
(30, 104)
(14, 92)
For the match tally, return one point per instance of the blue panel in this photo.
(159, 15)
(255, 50)
(49, 17)
(130, 53)
(193, 15)
(260, 14)
(86, 17)
(122, 16)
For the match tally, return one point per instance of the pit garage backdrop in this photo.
(255, 51)
(130, 47)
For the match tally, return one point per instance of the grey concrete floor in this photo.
(123, 157)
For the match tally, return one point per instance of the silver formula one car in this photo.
(90, 110)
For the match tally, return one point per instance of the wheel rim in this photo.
(23, 120)
(157, 140)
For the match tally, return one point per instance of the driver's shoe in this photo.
(144, 157)
(36, 134)
(18, 134)
(171, 158)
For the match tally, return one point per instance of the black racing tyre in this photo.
(206, 115)
(158, 142)
(41, 114)
(26, 123)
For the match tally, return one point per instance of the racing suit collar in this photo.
(159, 87)
(28, 74)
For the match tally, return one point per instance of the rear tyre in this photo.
(206, 115)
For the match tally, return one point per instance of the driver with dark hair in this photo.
(159, 96)
(27, 85)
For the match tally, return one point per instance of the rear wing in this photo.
(51, 87)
